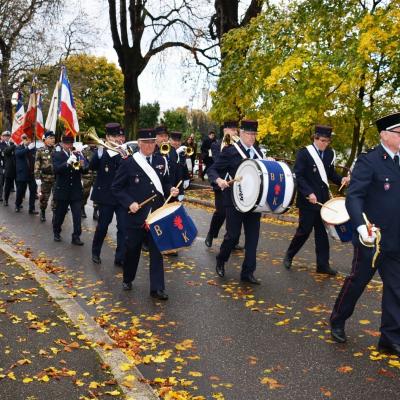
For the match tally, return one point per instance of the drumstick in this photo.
(323, 205)
(238, 179)
(344, 183)
(144, 202)
(169, 197)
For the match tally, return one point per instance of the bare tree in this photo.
(15, 17)
(155, 26)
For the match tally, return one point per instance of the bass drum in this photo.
(336, 219)
(263, 186)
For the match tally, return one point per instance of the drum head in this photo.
(246, 193)
(334, 211)
(162, 212)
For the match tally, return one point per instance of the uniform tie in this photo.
(321, 154)
(396, 161)
(148, 160)
(248, 153)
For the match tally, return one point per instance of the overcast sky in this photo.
(166, 87)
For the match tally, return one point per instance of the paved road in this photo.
(217, 337)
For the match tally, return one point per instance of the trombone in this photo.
(92, 135)
(228, 139)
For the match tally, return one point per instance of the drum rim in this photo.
(158, 211)
(329, 202)
(261, 186)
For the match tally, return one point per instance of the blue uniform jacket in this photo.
(68, 185)
(375, 190)
(25, 162)
(227, 163)
(308, 178)
(132, 184)
(106, 167)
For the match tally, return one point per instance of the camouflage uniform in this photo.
(88, 178)
(44, 172)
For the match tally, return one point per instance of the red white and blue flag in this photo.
(18, 122)
(30, 116)
(39, 116)
(67, 112)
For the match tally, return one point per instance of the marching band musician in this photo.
(227, 164)
(8, 150)
(138, 178)
(68, 191)
(313, 167)
(206, 154)
(374, 195)
(106, 163)
(44, 174)
(230, 129)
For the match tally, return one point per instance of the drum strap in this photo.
(318, 162)
(242, 153)
(149, 171)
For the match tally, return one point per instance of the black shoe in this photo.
(83, 213)
(238, 248)
(96, 214)
(250, 279)
(42, 215)
(145, 247)
(126, 285)
(171, 253)
(57, 237)
(159, 294)
(18, 209)
(77, 241)
(389, 348)
(327, 271)
(220, 268)
(287, 262)
(118, 263)
(33, 212)
(209, 240)
(96, 259)
(5, 203)
(338, 335)
(1, 200)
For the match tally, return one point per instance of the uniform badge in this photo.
(314, 169)
(386, 185)
(106, 168)
(46, 151)
(136, 179)
(385, 157)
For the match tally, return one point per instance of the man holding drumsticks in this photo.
(314, 165)
(139, 178)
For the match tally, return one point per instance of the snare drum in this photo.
(171, 227)
(265, 186)
(336, 219)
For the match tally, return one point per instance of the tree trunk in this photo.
(131, 104)
(6, 92)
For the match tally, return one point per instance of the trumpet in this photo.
(229, 139)
(165, 148)
(76, 165)
(92, 135)
(185, 150)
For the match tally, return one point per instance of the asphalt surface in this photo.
(42, 354)
(215, 337)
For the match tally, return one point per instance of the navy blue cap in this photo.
(388, 122)
(146, 134)
(175, 135)
(323, 130)
(231, 124)
(161, 129)
(49, 134)
(67, 139)
(113, 129)
(249, 126)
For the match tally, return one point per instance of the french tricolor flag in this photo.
(39, 116)
(18, 122)
(67, 112)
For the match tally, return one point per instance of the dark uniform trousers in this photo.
(133, 245)
(106, 213)
(251, 225)
(61, 211)
(354, 285)
(218, 217)
(2, 180)
(21, 190)
(309, 219)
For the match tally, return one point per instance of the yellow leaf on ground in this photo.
(195, 373)
(364, 322)
(271, 383)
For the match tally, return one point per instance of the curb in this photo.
(87, 325)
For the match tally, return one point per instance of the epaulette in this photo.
(369, 150)
(58, 148)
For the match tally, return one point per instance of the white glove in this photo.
(38, 182)
(100, 150)
(186, 183)
(181, 197)
(31, 145)
(72, 159)
(363, 231)
(181, 149)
